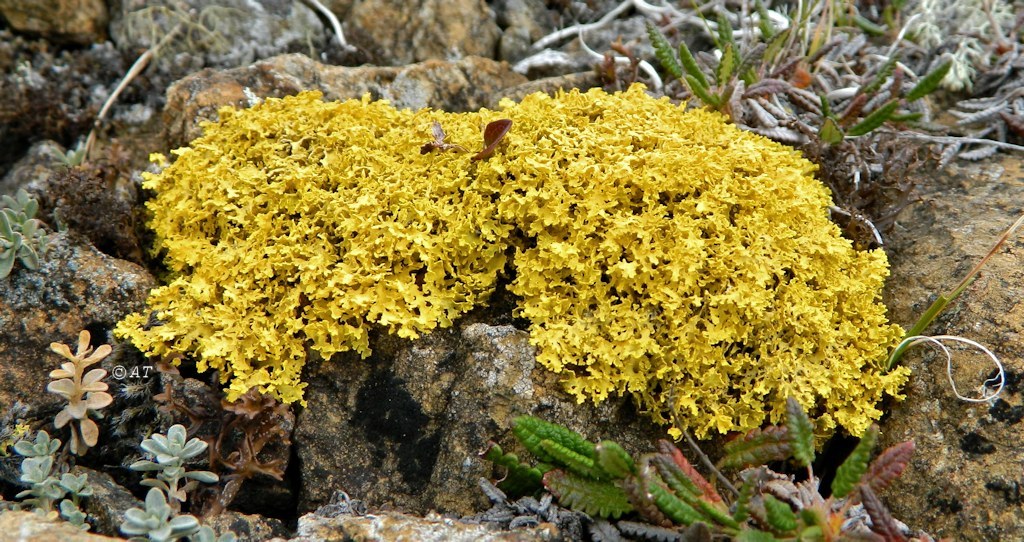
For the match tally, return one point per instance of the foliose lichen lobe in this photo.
(656, 251)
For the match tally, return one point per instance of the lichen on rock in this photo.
(657, 252)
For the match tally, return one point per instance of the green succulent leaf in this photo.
(753, 535)
(929, 82)
(520, 478)
(672, 506)
(802, 432)
(614, 460)
(572, 461)
(702, 92)
(532, 431)
(594, 497)
(692, 69)
(883, 74)
(663, 51)
(875, 119)
(848, 474)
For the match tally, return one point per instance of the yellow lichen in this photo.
(657, 252)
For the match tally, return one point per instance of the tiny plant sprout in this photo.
(493, 134)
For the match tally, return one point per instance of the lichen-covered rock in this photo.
(656, 252)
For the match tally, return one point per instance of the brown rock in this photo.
(464, 85)
(74, 21)
(397, 32)
(965, 478)
(75, 288)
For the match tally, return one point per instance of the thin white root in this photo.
(984, 391)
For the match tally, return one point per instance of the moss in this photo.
(657, 252)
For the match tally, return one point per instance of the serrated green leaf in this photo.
(929, 82)
(614, 460)
(779, 515)
(848, 474)
(692, 69)
(883, 74)
(572, 461)
(753, 535)
(757, 447)
(531, 431)
(674, 477)
(725, 37)
(702, 92)
(742, 507)
(888, 466)
(764, 23)
(727, 65)
(663, 51)
(874, 120)
(597, 498)
(801, 430)
(678, 511)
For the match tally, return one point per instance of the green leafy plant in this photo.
(22, 236)
(739, 80)
(665, 490)
(160, 519)
(171, 453)
(85, 392)
(47, 485)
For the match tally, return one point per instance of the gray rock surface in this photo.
(403, 429)
(965, 478)
(463, 85)
(397, 32)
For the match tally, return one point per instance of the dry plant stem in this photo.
(656, 82)
(335, 24)
(706, 461)
(962, 140)
(940, 303)
(133, 72)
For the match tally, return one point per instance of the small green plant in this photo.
(161, 521)
(665, 490)
(22, 236)
(171, 452)
(47, 486)
(739, 79)
(85, 392)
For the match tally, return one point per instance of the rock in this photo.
(397, 32)
(248, 528)
(51, 95)
(463, 85)
(21, 526)
(68, 21)
(108, 503)
(522, 22)
(34, 168)
(76, 287)
(965, 479)
(400, 527)
(415, 415)
(222, 34)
